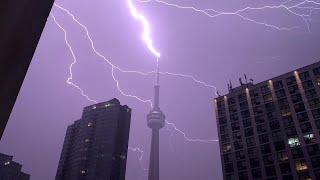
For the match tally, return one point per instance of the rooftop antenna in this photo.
(240, 80)
(245, 76)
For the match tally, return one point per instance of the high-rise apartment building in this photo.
(270, 130)
(96, 146)
(10, 170)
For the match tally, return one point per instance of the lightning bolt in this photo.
(70, 78)
(146, 35)
(291, 9)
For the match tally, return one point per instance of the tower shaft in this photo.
(154, 156)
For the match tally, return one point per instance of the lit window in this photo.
(107, 105)
(301, 165)
(89, 124)
(226, 148)
(123, 157)
(94, 107)
(87, 140)
(84, 172)
(7, 163)
(293, 142)
(309, 138)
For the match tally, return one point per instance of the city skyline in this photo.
(214, 50)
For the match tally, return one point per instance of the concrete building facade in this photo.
(270, 130)
(96, 146)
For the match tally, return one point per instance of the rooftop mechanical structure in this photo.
(155, 121)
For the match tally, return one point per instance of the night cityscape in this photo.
(160, 90)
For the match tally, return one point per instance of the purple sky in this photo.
(213, 50)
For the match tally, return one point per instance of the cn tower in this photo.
(155, 121)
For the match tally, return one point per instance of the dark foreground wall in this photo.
(21, 25)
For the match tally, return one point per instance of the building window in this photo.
(223, 121)
(315, 161)
(309, 138)
(272, 115)
(232, 109)
(262, 128)
(229, 168)
(244, 105)
(236, 135)
(257, 110)
(263, 138)
(282, 156)
(270, 171)
(285, 112)
(288, 121)
(283, 103)
(307, 85)
(255, 101)
(227, 158)
(226, 148)
(318, 81)
(243, 175)
(297, 153)
(280, 94)
(90, 124)
(277, 85)
(293, 142)
(303, 117)
(311, 93)
(291, 80)
(265, 149)
(301, 165)
(285, 168)
(267, 159)
(256, 173)
(220, 104)
(225, 138)
(279, 145)
(299, 107)
(316, 71)
(238, 145)
(267, 98)
(245, 114)
(252, 152)
(270, 106)
(254, 93)
(223, 129)
(247, 122)
(316, 113)
(306, 127)
(296, 98)
(248, 132)
(241, 165)
(254, 162)
(265, 89)
(242, 97)
(259, 119)
(231, 101)
(293, 89)
(304, 76)
(235, 126)
(314, 103)
(230, 176)
(287, 177)
(234, 117)
(240, 155)
(251, 142)
(277, 135)
(221, 112)
(291, 131)
(313, 150)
